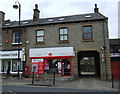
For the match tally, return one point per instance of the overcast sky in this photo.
(55, 8)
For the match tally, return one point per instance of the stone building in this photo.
(74, 45)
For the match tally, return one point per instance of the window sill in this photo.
(63, 42)
(88, 40)
(17, 43)
(40, 43)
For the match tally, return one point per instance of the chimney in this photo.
(36, 14)
(2, 17)
(96, 9)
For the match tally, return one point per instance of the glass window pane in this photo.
(65, 31)
(61, 37)
(39, 39)
(87, 29)
(61, 31)
(14, 66)
(40, 33)
(16, 38)
(65, 37)
(87, 36)
(66, 67)
(17, 34)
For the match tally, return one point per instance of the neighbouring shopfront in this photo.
(47, 60)
(115, 65)
(9, 61)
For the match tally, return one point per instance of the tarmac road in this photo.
(14, 89)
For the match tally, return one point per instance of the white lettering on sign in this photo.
(9, 54)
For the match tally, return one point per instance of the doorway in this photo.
(88, 63)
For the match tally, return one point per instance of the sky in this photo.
(56, 8)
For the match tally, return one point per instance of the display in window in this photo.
(61, 66)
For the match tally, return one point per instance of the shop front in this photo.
(49, 60)
(9, 61)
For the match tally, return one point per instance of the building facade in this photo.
(72, 46)
(115, 57)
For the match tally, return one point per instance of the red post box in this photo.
(26, 71)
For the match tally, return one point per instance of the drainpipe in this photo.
(104, 52)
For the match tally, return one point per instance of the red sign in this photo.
(50, 54)
(40, 67)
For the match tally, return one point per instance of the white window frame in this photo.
(42, 35)
(14, 38)
(63, 34)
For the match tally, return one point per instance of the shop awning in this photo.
(51, 52)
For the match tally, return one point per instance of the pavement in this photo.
(89, 83)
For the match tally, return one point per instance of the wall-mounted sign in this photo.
(37, 60)
(50, 52)
(40, 67)
(9, 54)
(114, 54)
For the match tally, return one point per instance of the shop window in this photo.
(17, 37)
(60, 66)
(87, 33)
(0, 38)
(63, 34)
(66, 67)
(14, 66)
(39, 36)
(10, 65)
(6, 65)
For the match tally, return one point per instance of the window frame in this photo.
(14, 38)
(40, 35)
(90, 32)
(63, 35)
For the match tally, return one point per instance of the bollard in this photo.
(33, 78)
(112, 82)
(54, 79)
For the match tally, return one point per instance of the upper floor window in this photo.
(39, 36)
(63, 34)
(17, 37)
(0, 38)
(87, 33)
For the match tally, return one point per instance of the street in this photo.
(14, 89)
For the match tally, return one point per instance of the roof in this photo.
(114, 41)
(56, 20)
